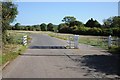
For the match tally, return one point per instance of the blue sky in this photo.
(31, 13)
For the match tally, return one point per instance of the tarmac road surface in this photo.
(47, 57)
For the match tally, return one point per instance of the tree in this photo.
(37, 27)
(9, 12)
(115, 21)
(107, 22)
(75, 23)
(112, 21)
(92, 23)
(55, 28)
(17, 26)
(63, 28)
(68, 19)
(50, 27)
(43, 27)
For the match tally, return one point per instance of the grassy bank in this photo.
(14, 47)
(13, 54)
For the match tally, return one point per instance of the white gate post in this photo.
(24, 40)
(76, 41)
(109, 41)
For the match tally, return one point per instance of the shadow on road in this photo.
(108, 64)
(47, 47)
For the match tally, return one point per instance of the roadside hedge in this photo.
(93, 31)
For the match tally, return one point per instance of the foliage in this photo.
(43, 27)
(50, 27)
(116, 21)
(111, 26)
(75, 23)
(68, 19)
(112, 22)
(115, 50)
(82, 30)
(9, 12)
(92, 23)
(36, 27)
(17, 26)
(55, 28)
(12, 54)
(14, 38)
(63, 28)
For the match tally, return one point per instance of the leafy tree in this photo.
(55, 28)
(115, 21)
(62, 25)
(97, 24)
(17, 26)
(112, 22)
(75, 23)
(9, 12)
(63, 28)
(92, 23)
(10, 27)
(107, 22)
(50, 27)
(43, 27)
(68, 19)
(37, 27)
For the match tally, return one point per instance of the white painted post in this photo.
(24, 40)
(109, 41)
(69, 41)
(76, 39)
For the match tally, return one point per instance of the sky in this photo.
(33, 13)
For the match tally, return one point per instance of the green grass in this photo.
(96, 41)
(12, 55)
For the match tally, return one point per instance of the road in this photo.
(47, 57)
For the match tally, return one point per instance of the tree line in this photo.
(70, 24)
(110, 26)
(41, 27)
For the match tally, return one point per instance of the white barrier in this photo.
(76, 41)
(73, 41)
(24, 40)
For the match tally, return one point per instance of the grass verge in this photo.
(14, 47)
(98, 41)
(12, 55)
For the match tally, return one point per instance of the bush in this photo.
(92, 31)
(10, 39)
(83, 30)
(116, 31)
